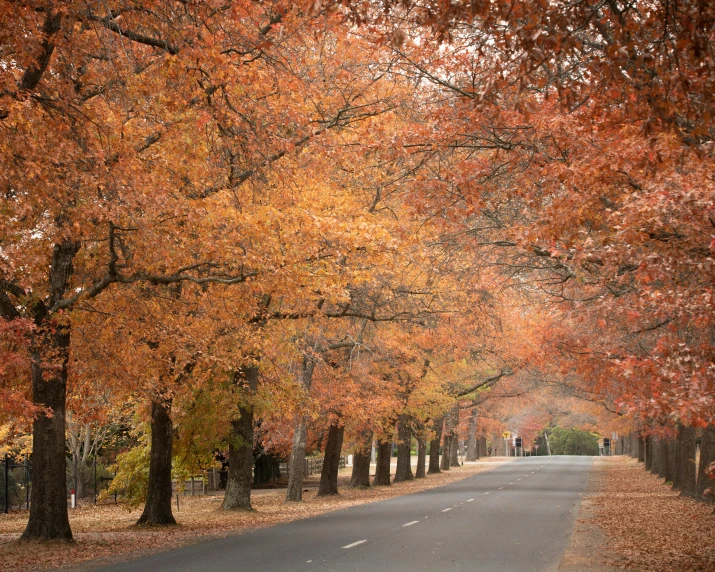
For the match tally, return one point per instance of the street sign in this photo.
(518, 442)
(506, 434)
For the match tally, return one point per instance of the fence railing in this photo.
(16, 482)
(314, 465)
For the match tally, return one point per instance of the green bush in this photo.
(572, 442)
(131, 480)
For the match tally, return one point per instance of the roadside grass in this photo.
(106, 533)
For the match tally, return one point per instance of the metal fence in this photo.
(16, 478)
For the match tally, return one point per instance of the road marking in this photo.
(470, 500)
(411, 523)
(447, 509)
(511, 483)
(518, 479)
(486, 493)
(500, 488)
(355, 543)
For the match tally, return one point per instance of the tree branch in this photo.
(110, 24)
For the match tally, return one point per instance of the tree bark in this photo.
(656, 450)
(648, 442)
(360, 478)
(483, 446)
(454, 445)
(297, 451)
(446, 451)
(240, 447)
(454, 454)
(472, 445)
(434, 446)
(662, 456)
(641, 448)
(449, 424)
(421, 459)
(157, 508)
(49, 356)
(685, 475)
(670, 471)
(331, 462)
(707, 456)
(296, 467)
(403, 472)
(382, 471)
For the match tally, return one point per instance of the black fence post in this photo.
(95, 480)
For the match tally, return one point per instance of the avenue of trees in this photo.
(317, 226)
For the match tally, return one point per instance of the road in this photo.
(517, 517)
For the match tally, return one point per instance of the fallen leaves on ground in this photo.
(648, 525)
(107, 533)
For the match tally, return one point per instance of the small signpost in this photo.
(506, 436)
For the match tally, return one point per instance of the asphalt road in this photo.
(517, 517)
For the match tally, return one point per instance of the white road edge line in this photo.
(411, 523)
(355, 543)
(447, 509)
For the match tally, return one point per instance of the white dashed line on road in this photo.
(470, 500)
(411, 523)
(447, 509)
(355, 543)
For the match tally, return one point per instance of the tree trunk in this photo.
(296, 468)
(446, 451)
(421, 459)
(641, 448)
(662, 456)
(382, 471)
(240, 447)
(656, 455)
(447, 441)
(157, 509)
(434, 446)
(360, 478)
(648, 442)
(472, 445)
(403, 472)
(483, 446)
(670, 471)
(454, 445)
(707, 456)
(454, 454)
(685, 475)
(49, 356)
(297, 451)
(331, 462)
